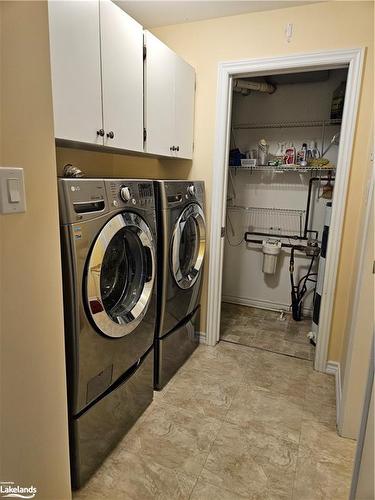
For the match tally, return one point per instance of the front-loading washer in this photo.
(181, 249)
(108, 236)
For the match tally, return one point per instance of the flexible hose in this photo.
(298, 292)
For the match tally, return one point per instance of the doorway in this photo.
(350, 60)
(285, 134)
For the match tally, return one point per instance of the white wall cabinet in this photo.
(97, 74)
(104, 93)
(184, 107)
(122, 78)
(159, 99)
(75, 66)
(169, 101)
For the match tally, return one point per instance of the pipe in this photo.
(271, 235)
(300, 248)
(258, 86)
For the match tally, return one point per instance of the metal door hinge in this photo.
(222, 232)
(144, 135)
(144, 52)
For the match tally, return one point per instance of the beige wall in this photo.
(96, 163)
(34, 440)
(328, 25)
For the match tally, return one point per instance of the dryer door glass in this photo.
(121, 274)
(188, 246)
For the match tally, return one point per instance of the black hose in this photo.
(304, 288)
(298, 292)
(293, 292)
(303, 277)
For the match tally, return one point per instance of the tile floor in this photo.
(234, 423)
(263, 329)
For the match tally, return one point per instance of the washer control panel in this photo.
(123, 193)
(81, 199)
(191, 190)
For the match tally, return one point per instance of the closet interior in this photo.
(285, 134)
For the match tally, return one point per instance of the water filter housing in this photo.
(271, 250)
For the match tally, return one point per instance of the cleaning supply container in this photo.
(271, 250)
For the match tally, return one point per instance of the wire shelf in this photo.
(284, 168)
(268, 220)
(265, 210)
(291, 124)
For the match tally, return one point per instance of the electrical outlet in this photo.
(289, 32)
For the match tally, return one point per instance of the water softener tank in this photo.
(271, 251)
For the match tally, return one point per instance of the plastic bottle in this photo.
(262, 152)
(290, 155)
(301, 154)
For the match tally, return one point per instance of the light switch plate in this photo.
(12, 190)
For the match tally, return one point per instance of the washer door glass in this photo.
(121, 274)
(188, 246)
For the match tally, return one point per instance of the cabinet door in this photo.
(122, 78)
(184, 108)
(159, 96)
(75, 66)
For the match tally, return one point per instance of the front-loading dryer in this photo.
(181, 250)
(108, 235)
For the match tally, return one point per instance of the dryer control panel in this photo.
(123, 193)
(180, 193)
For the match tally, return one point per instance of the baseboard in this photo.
(202, 337)
(333, 368)
(262, 304)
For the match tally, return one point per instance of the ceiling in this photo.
(152, 14)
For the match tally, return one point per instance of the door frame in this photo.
(355, 365)
(353, 58)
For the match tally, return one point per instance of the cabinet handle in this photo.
(178, 148)
(100, 132)
(110, 135)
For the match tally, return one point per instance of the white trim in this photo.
(301, 62)
(262, 304)
(216, 249)
(353, 332)
(333, 368)
(338, 205)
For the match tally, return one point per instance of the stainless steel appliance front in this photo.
(181, 250)
(109, 267)
(188, 246)
(121, 274)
